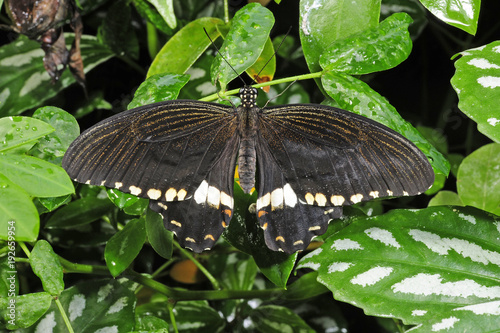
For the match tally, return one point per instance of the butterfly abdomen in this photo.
(247, 156)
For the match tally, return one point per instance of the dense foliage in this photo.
(82, 258)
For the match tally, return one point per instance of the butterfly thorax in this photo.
(247, 112)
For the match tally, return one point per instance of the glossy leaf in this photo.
(245, 234)
(477, 83)
(28, 309)
(160, 238)
(19, 134)
(37, 177)
(157, 88)
(45, 264)
(25, 84)
(92, 306)
(376, 49)
(355, 95)
(185, 47)
(124, 246)
(166, 10)
(120, 199)
(243, 44)
(54, 145)
(137, 208)
(278, 319)
(478, 179)
(326, 21)
(152, 15)
(416, 265)
(79, 212)
(445, 198)
(17, 210)
(54, 202)
(461, 14)
(411, 7)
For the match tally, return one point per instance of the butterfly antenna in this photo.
(281, 93)
(274, 54)
(227, 62)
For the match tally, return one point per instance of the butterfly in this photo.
(310, 161)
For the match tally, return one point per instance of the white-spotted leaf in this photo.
(416, 265)
(477, 83)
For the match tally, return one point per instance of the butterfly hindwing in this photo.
(199, 220)
(289, 224)
(332, 157)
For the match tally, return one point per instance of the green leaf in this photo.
(477, 83)
(94, 101)
(45, 264)
(9, 280)
(157, 88)
(373, 50)
(478, 179)
(461, 14)
(412, 7)
(243, 44)
(326, 21)
(355, 95)
(190, 316)
(166, 10)
(151, 14)
(37, 177)
(92, 306)
(116, 30)
(416, 265)
(24, 83)
(239, 273)
(444, 198)
(278, 319)
(160, 238)
(199, 84)
(305, 287)
(120, 199)
(17, 211)
(124, 246)
(28, 309)
(55, 144)
(19, 134)
(187, 45)
(53, 203)
(137, 208)
(245, 234)
(79, 212)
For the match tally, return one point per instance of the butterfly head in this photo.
(248, 96)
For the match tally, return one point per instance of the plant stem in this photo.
(25, 249)
(265, 84)
(188, 255)
(209, 295)
(63, 314)
(70, 267)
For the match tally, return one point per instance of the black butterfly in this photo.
(312, 160)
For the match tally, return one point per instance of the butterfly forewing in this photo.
(179, 154)
(331, 154)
